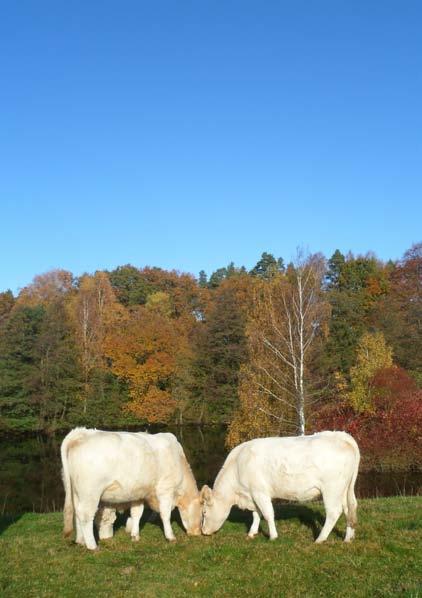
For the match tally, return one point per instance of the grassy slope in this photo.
(385, 559)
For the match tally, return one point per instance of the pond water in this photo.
(30, 467)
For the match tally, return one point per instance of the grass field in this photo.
(384, 560)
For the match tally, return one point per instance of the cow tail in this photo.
(351, 498)
(68, 501)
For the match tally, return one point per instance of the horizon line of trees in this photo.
(281, 349)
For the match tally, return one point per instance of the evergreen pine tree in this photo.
(202, 280)
(267, 266)
(335, 265)
(217, 277)
(221, 350)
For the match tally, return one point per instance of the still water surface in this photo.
(30, 469)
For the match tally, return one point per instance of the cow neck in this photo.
(189, 489)
(224, 485)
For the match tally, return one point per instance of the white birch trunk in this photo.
(288, 337)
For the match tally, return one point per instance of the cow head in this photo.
(190, 514)
(214, 511)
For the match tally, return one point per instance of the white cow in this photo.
(293, 468)
(117, 468)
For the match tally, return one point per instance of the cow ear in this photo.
(206, 495)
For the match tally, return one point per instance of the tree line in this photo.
(280, 349)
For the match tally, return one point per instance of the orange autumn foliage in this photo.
(181, 287)
(142, 349)
(46, 288)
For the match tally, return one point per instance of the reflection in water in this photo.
(30, 469)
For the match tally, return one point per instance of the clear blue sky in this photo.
(189, 134)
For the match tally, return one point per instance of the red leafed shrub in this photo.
(390, 386)
(390, 435)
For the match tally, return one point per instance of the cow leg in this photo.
(333, 508)
(98, 518)
(350, 534)
(128, 526)
(79, 534)
(135, 517)
(349, 509)
(265, 506)
(86, 513)
(104, 520)
(255, 524)
(165, 513)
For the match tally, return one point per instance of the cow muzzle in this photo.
(195, 532)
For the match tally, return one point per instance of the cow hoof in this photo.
(135, 538)
(350, 534)
(273, 538)
(171, 539)
(251, 536)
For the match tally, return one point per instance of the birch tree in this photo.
(91, 309)
(288, 315)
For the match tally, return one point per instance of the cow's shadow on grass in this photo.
(149, 517)
(7, 520)
(310, 517)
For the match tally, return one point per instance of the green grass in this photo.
(384, 560)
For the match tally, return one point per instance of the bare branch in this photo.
(277, 352)
(281, 386)
(278, 417)
(272, 394)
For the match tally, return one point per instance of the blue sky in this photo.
(189, 134)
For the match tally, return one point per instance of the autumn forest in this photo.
(285, 348)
